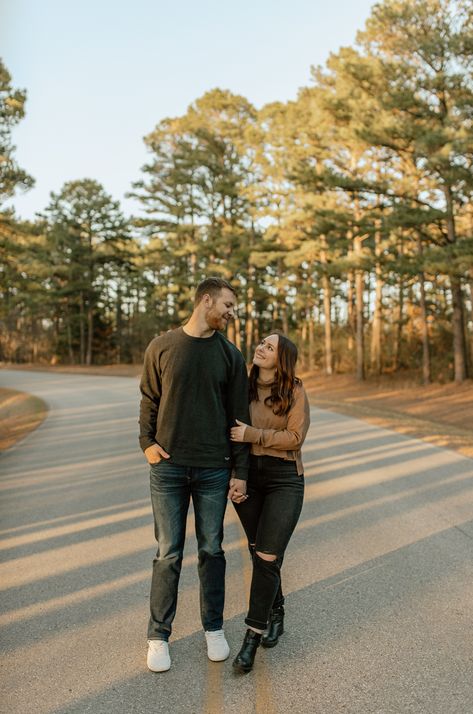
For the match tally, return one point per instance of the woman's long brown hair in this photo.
(282, 390)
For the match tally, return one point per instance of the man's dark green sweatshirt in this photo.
(193, 389)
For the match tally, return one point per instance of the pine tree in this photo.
(89, 240)
(13, 240)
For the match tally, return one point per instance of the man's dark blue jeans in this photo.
(172, 487)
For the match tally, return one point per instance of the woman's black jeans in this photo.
(269, 516)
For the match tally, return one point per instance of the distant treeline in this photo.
(344, 217)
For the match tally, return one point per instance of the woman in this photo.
(279, 411)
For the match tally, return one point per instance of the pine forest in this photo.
(344, 217)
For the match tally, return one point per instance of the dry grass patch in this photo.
(105, 370)
(439, 413)
(20, 413)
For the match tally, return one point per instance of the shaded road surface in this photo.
(379, 574)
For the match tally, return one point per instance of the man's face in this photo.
(221, 309)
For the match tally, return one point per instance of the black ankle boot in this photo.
(243, 662)
(275, 629)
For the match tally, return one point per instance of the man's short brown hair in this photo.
(212, 287)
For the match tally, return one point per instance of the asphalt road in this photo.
(378, 576)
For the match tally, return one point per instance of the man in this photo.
(194, 386)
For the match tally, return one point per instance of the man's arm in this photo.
(238, 408)
(150, 387)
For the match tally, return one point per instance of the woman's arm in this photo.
(289, 439)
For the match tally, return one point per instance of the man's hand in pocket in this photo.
(155, 453)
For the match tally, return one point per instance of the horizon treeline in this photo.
(344, 218)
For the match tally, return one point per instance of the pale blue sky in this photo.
(100, 74)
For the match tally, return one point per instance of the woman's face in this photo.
(266, 354)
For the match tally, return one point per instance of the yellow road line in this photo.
(214, 703)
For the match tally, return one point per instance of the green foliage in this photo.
(341, 217)
(12, 103)
(90, 249)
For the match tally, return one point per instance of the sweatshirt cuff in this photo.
(146, 441)
(253, 435)
(241, 473)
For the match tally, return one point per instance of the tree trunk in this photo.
(359, 306)
(231, 331)
(303, 353)
(81, 328)
(459, 341)
(69, 342)
(284, 319)
(426, 372)
(399, 324)
(256, 330)
(90, 333)
(471, 332)
(119, 326)
(327, 291)
(34, 336)
(90, 295)
(425, 334)
(327, 323)
(249, 337)
(351, 310)
(376, 332)
(237, 324)
(311, 341)
(249, 322)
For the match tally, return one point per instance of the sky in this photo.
(100, 74)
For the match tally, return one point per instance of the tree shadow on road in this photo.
(359, 641)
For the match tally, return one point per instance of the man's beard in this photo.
(215, 320)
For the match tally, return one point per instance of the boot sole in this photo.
(241, 669)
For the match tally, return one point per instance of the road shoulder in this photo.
(441, 414)
(20, 413)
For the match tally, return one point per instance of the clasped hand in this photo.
(237, 490)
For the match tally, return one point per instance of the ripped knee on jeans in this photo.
(266, 556)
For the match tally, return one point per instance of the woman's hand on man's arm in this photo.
(237, 433)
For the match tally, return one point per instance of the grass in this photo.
(441, 414)
(20, 413)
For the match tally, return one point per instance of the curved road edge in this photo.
(20, 414)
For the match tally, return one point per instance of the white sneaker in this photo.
(217, 646)
(158, 659)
